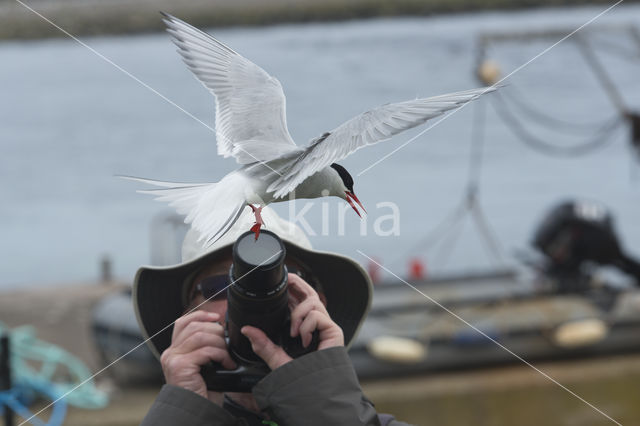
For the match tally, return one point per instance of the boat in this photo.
(559, 306)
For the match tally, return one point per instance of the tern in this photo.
(251, 126)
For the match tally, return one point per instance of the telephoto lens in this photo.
(258, 295)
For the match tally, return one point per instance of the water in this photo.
(70, 122)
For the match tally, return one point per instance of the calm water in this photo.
(70, 122)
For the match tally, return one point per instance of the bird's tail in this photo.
(210, 208)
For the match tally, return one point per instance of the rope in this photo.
(450, 229)
(432, 238)
(599, 139)
(27, 352)
(631, 54)
(601, 73)
(550, 121)
(622, 52)
(446, 248)
(12, 399)
(490, 238)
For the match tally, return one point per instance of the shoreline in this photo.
(112, 17)
(501, 395)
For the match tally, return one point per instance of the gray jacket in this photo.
(320, 388)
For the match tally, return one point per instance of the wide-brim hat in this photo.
(160, 293)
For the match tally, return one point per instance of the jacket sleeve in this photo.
(177, 406)
(320, 388)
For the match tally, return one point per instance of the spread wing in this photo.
(250, 104)
(369, 128)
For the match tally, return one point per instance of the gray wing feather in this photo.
(250, 104)
(368, 128)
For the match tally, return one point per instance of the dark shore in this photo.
(94, 17)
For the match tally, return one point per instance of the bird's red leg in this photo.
(256, 226)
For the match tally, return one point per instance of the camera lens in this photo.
(258, 295)
(266, 251)
(258, 265)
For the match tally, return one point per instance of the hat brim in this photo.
(158, 292)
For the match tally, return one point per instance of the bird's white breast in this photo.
(320, 184)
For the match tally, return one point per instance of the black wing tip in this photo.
(167, 18)
(173, 28)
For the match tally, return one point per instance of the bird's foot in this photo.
(256, 226)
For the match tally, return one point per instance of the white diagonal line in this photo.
(493, 340)
(146, 340)
(101, 56)
(494, 85)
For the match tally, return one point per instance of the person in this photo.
(327, 292)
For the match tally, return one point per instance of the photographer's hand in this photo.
(307, 315)
(196, 340)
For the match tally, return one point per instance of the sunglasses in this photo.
(214, 287)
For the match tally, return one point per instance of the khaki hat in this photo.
(159, 293)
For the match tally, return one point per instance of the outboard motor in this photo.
(576, 232)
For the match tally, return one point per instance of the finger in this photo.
(302, 310)
(194, 327)
(271, 353)
(330, 334)
(299, 287)
(201, 338)
(206, 354)
(177, 365)
(183, 321)
(299, 290)
(314, 321)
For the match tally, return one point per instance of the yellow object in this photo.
(397, 349)
(489, 72)
(580, 333)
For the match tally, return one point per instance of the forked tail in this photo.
(210, 208)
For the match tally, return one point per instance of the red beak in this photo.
(351, 197)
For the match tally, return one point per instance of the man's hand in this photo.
(197, 339)
(307, 315)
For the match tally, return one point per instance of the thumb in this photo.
(271, 353)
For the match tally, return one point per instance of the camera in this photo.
(257, 296)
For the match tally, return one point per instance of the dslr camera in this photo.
(258, 296)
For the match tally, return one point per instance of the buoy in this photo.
(397, 349)
(489, 72)
(417, 270)
(579, 333)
